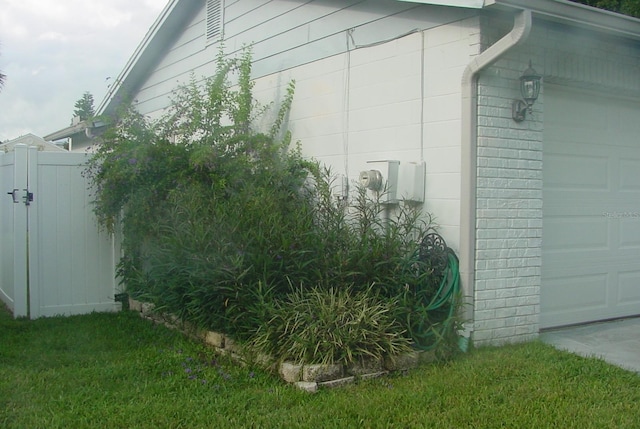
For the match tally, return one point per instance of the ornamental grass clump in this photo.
(332, 325)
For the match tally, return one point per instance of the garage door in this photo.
(591, 208)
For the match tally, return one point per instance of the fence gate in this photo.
(53, 258)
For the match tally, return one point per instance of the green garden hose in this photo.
(426, 332)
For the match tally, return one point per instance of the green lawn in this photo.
(119, 371)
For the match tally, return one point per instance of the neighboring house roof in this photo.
(69, 131)
(178, 12)
(82, 128)
(31, 140)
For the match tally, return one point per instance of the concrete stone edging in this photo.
(308, 377)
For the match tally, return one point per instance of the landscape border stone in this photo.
(307, 377)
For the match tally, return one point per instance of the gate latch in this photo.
(14, 196)
(28, 197)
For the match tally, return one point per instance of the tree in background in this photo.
(626, 7)
(84, 107)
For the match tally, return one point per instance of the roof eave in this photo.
(471, 4)
(576, 14)
(67, 132)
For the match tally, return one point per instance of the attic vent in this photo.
(214, 20)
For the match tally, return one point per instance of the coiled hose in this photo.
(425, 330)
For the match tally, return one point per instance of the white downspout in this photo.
(518, 34)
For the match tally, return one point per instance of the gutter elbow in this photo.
(519, 33)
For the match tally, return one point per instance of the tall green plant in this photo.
(187, 188)
(223, 221)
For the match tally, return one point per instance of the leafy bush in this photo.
(219, 220)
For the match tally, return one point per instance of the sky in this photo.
(53, 51)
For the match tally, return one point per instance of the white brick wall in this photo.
(509, 204)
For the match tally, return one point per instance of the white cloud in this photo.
(54, 51)
(54, 35)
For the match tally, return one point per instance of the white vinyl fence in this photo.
(53, 258)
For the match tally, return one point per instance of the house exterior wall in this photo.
(374, 81)
(448, 51)
(397, 100)
(509, 224)
(382, 80)
(283, 35)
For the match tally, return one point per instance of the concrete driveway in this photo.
(617, 342)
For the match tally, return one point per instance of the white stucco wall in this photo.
(448, 51)
(374, 81)
(398, 100)
(283, 34)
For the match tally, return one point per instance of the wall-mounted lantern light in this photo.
(530, 89)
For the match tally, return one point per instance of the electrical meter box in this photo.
(411, 180)
(397, 181)
(389, 179)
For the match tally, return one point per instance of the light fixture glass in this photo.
(530, 83)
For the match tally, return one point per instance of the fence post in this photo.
(20, 266)
(32, 238)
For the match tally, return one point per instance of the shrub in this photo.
(230, 228)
